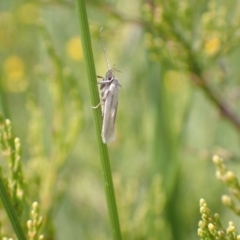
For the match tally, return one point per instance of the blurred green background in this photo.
(174, 57)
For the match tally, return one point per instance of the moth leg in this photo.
(95, 107)
(105, 81)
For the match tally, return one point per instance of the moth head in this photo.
(109, 75)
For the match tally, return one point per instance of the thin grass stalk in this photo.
(91, 73)
(11, 212)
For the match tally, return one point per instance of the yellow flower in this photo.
(174, 81)
(14, 69)
(74, 49)
(212, 45)
(28, 13)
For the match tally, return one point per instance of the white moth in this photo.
(109, 87)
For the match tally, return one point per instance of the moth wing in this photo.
(109, 114)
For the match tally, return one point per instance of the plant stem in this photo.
(88, 56)
(11, 212)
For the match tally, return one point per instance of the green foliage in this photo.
(146, 218)
(35, 223)
(11, 150)
(210, 226)
(12, 192)
(179, 63)
(231, 181)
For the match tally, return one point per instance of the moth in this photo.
(109, 87)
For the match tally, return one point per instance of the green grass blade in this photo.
(91, 73)
(11, 212)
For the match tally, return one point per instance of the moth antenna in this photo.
(104, 50)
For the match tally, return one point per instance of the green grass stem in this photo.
(11, 212)
(91, 73)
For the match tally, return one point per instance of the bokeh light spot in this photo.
(212, 46)
(14, 69)
(7, 29)
(28, 13)
(174, 81)
(74, 49)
